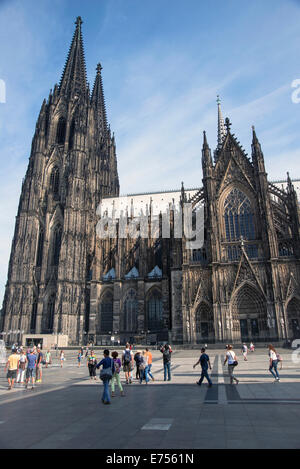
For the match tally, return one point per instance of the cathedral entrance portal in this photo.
(293, 314)
(249, 313)
(204, 324)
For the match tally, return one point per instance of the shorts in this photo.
(11, 374)
(30, 373)
(127, 367)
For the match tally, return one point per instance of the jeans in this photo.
(143, 374)
(274, 365)
(106, 395)
(204, 374)
(167, 368)
(146, 372)
(231, 375)
(149, 370)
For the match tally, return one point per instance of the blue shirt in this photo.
(107, 362)
(31, 360)
(204, 359)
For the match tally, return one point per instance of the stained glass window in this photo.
(106, 309)
(238, 216)
(130, 311)
(154, 311)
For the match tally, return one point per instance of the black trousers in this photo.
(92, 370)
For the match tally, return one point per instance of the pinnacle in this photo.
(74, 74)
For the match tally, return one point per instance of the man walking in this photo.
(166, 351)
(31, 368)
(12, 367)
(205, 363)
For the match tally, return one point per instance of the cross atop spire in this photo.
(73, 80)
(98, 101)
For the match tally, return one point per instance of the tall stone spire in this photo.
(98, 101)
(221, 130)
(73, 80)
(221, 127)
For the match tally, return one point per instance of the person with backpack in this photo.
(106, 375)
(273, 362)
(205, 363)
(232, 362)
(116, 375)
(166, 351)
(91, 364)
(127, 363)
(137, 359)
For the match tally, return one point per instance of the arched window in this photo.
(106, 313)
(61, 131)
(56, 244)
(238, 216)
(71, 135)
(154, 311)
(54, 180)
(130, 312)
(40, 245)
(50, 312)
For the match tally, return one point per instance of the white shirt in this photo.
(231, 357)
(272, 355)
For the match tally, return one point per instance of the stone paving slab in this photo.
(65, 410)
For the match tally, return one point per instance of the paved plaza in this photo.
(65, 410)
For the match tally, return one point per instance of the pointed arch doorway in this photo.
(204, 324)
(249, 314)
(293, 316)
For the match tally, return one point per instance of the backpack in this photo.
(279, 357)
(117, 366)
(127, 356)
(167, 355)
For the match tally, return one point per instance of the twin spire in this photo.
(74, 82)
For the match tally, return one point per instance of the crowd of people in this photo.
(25, 367)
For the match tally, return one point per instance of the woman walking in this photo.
(48, 358)
(232, 362)
(62, 358)
(143, 368)
(137, 359)
(273, 362)
(106, 374)
(22, 368)
(116, 375)
(91, 364)
(79, 357)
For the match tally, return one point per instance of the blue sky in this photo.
(164, 62)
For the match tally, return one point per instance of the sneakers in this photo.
(276, 380)
(237, 381)
(197, 382)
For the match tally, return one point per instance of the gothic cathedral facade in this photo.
(244, 283)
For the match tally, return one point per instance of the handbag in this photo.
(235, 363)
(106, 373)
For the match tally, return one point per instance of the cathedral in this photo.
(242, 284)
